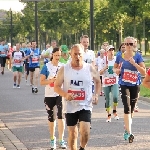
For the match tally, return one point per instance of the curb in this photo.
(8, 141)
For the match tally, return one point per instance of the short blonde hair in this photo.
(79, 46)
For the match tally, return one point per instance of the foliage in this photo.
(67, 21)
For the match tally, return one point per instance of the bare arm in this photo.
(146, 81)
(141, 68)
(116, 69)
(96, 79)
(44, 81)
(58, 83)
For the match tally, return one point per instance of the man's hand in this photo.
(69, 96)
(95, 99)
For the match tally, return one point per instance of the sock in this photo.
(52, 138)
(114, 111)
(32, 86)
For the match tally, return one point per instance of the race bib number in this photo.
(51, 84)
(130, 76)
(35, 59)
(17, 61)
(78, 94)
(110, 81)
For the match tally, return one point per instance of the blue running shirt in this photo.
(129, 75)
(34, 60)
(3, 50)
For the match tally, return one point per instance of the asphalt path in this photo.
(25, 115)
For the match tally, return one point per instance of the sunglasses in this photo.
(127, 44)
(122, 47)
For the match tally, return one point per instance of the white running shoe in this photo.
(108, 119)
(53, 144)
(116, 117)
(14, 86)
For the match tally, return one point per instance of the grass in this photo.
(144, 92)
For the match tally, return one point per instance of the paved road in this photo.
(24, 115)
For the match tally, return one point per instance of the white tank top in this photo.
(49, 89)
(78, 82)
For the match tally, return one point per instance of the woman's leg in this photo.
(107, 91)
(115, 94)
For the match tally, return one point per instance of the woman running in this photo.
(52, 99)
(130, 66)
(110, 82)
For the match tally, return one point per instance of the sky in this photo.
(15, 5)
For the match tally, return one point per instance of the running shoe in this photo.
(18, 86)
(35, 90)
(53, 144)
(14, 86)
(116, 116)
(131, 137)
(136, 109)
(32, 90)
(62, 144)
(108, 119)
(126, 135)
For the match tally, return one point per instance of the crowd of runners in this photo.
(74, 78)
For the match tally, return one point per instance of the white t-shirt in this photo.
(89, 56)
(109, 77)
(50, 71)
(17, 57)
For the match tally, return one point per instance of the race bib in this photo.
(130, 76)
(110, 81)
(51, 84)
(35, 59)
(17, 61)
(78, 94)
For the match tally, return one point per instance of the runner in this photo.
(135, 45)
(88, 55)
(34, 65)
(100, 64)
(27, 64)
(129, 65)
(76, 78)
(17, 59)
(46, 60)
(52, 99)
(64, 54)
(48, 52)
(3, 55)
(110, 82)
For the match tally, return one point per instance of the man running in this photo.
(17, 59)
(34, 65)
(48, 52)
(46, 60)
(3, 54)
(76, 77)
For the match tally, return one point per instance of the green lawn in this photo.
(144, 91)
